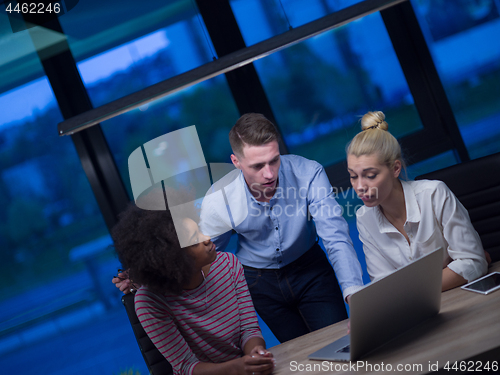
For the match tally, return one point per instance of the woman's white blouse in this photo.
(434, 218)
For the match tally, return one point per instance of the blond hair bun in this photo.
(374, 120)
(370, 141)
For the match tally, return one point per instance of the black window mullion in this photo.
(422, 77)
(244, 82)
(91, 146)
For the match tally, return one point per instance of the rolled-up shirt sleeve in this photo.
(334, 231)
(464, 245)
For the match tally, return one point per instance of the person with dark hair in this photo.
(404, 220)
(194, 302)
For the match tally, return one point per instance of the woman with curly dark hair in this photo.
(194, 302)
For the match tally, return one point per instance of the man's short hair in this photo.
(252, 129)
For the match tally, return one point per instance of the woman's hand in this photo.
(259, 350)
(259, 362)
(122, 282)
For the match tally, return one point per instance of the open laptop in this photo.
(389, 306)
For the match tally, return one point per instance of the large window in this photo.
(123, 47)
(277, 16)
(208, 105)
(320, 88)
(463, 38)
(55, 294)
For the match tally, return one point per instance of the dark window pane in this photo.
(130, 47)
(19, 63)
(208, 105)
(463, 38)
(318, 89)
(441, 161)
(55, 290)
(274, 17)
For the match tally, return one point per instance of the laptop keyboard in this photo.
(345, 349)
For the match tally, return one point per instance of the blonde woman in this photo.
(404, 220)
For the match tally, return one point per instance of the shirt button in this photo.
(278, 249)
(411, 258)
(276, 228)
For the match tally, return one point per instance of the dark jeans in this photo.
(300, 298)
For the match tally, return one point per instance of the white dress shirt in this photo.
(434, 218)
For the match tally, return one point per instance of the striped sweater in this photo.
(211, 323)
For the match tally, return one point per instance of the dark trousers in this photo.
(300, 298)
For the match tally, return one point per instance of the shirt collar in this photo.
(384, 225)
(412, 210)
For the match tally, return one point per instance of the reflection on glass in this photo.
(208, 105)
(53, 241)
(463, 38)
(19, 63)
(42, 207)
(274, 17)
(135, 47)
(54, 245)
(300, 12)
(320, 88)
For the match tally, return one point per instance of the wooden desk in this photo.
(467, 328)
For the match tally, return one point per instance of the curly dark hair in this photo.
(147, 245)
